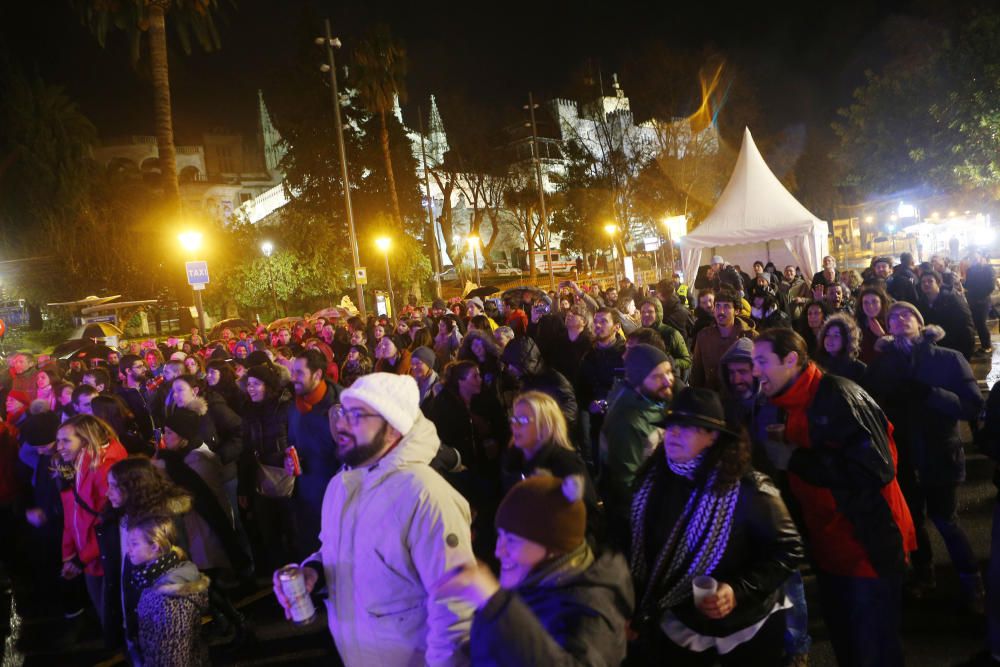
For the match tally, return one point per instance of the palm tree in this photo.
(379, 76)
(190, 18)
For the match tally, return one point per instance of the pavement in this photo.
(935, 631)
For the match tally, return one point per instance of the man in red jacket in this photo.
(841, 462)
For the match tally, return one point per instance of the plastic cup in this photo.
(776, 432)
(702, 587)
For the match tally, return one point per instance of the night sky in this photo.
(801, 60)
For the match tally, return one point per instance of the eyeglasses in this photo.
(523, 421)
(352, 416)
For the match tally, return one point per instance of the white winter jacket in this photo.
(388, 533)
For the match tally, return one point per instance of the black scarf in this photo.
(137, 579)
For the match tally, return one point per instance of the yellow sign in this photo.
(361, 276)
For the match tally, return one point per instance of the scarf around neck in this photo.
(147, 574)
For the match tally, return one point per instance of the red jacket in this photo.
(837, 545)
(79, 535)
(10, 485)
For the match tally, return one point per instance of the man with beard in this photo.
(704, 314)
(309, 433)
(713, 341)
(133, 392)
(596, 375)
(391, 528)
(838, 449)
(630, 431)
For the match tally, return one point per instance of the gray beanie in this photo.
(426, 355)
(741, 350)
(906, 305)
(640, 362)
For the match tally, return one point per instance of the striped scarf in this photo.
(695, 545)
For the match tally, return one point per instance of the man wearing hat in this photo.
(630, 430)
(949, 311)
(391, 527)
(925, 390)
(473, 307)
(422, 362)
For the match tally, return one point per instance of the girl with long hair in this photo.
(87, 447)
(871, 313)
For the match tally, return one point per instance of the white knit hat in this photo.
(395, 397)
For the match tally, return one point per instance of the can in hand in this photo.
(293, 458)
(293, 585)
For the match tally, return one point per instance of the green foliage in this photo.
(930, 118)
(192, 21)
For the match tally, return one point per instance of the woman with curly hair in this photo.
(702, 517)
(871, 313)
(839, 346)
(136, 488)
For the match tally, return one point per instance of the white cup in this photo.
(703, 587)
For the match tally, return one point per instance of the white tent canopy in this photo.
(757, 218)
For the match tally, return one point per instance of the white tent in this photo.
(756, 218)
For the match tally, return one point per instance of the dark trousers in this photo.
(940, 503)
(980, 312)
(765, 649)
(274, 532)
(863, 617)
(993, 585)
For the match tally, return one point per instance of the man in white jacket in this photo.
(391, 527)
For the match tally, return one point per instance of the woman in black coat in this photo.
(541, 444)
(701, 511)
(556, 602)
(838, 348)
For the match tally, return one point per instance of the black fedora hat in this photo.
(696, 406)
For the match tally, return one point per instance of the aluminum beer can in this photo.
(293, 585)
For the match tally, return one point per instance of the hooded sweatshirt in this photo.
(673, 339)
(389, 531)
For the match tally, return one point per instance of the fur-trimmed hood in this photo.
(184, 580)
(931, 333)
(198, 405)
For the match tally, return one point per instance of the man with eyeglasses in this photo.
(391, 528)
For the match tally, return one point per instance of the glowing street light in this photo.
(869, 219)
(383, 243)
(474, 244)
(268, 249)
(611, 230)
(191, 242)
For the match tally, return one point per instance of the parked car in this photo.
(505, 269)
(449, 273)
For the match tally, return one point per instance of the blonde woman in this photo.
(540, 444)
(87, 448)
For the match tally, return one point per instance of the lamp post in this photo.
(268, 249)
(611, 229)
(191, 242)
(531, 106)
(330, 67)
(892, 235)
(383, 243)
(474, 244)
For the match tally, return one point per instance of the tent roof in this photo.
(754, 208)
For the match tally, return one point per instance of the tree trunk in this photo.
(161, 102)
(390, 177)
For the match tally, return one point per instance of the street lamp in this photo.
(892, 235)
(191, 242)
(474, 244)
(268, 249)
(330, 67)
(383, 243)
(611, 231)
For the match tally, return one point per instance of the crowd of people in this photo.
(589, 476)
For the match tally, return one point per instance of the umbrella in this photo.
(234, 323)
(331, 313)
(515, 292)
(482, 292)
(97, 330)
(83, 350)
(283, 322)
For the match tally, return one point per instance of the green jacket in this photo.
(673, 339)
(628, 436)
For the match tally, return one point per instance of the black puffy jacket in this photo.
(265, 439)
(536, 376)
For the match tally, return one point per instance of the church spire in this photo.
(436, 138)
(274, 150)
